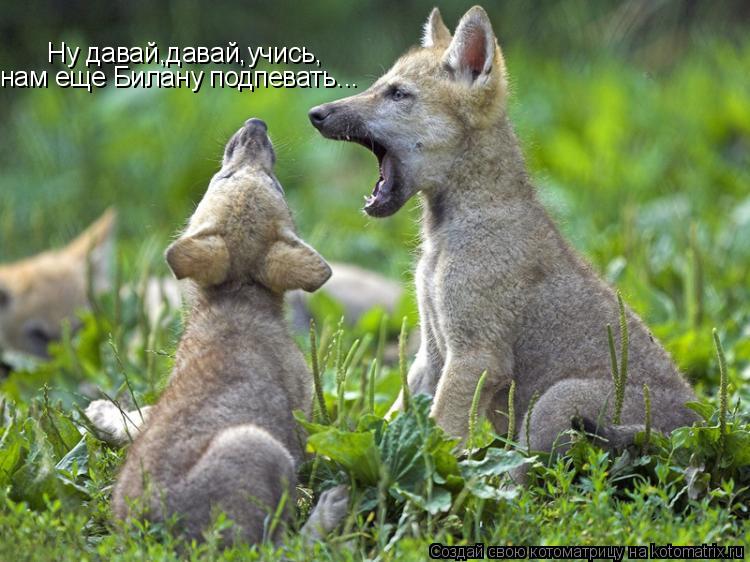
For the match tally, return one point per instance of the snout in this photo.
(250, 143)
(37, 336)
(344, 118)
(256, 125)
(319, 114)
(340, 120)
(254, 129)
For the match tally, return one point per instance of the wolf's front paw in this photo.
(112, 425)
(101, 413)
(330, 510)
(454, 425)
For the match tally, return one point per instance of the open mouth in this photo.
(385, 197)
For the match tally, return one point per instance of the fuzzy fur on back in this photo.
(222, 436)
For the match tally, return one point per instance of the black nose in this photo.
(38, 337)
(255, 123)
(319, 114)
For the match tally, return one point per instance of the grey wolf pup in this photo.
(222, 436)
(499, 289)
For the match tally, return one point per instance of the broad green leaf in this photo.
(703, 409)
(37, 477)
(439, 501)
(402, 443)
(738, 447)
(76, 462)
(311, 427)
(482, 489)
(61, 433)
(354, 451)
(11, 448)
(445, 461)
(371, 422)
(495, 462)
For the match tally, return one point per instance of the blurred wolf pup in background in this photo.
(39, 293)
(222, 436)
(499, 289)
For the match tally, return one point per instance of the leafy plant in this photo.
(619, 374)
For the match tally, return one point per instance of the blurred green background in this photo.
(634, 116)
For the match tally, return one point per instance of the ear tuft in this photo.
(435, 33)
(202, 258)
(99, 233)
(472, 50)
(292, 264)
(94, 249)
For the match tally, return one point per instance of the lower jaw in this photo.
(388, 196)
(377, 213)
(382, 210)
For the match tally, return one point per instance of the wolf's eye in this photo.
(397, 94)
(4, 298)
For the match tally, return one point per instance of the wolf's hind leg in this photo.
(245, 472)
(583, 404)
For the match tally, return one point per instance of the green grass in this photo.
(647, 175)
(410, 486)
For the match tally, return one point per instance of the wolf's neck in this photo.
(236, 338)
(234, 315)
(489, 171)
(233, 300)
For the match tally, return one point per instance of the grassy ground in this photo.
(647, 175)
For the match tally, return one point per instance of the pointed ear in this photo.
(472, 50)
(94, 248)
(292, 264)
(204, 258)
(435, 33)
(99, 233)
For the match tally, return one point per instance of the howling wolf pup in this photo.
(499, 290)
(222, 436)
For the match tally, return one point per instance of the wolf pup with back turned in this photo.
(222, 436)
(499, 290)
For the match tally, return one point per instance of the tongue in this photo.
(384, 184)
(383, 187)
(385, 168)
(385, 198)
